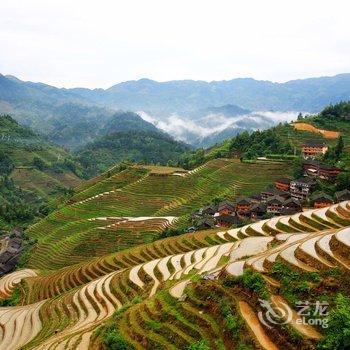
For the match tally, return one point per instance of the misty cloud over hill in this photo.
(212, 128)
(198, 112)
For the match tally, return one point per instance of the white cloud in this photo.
(98, 43)
(183, 129)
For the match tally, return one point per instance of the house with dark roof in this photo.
(313, 148)
(275, 204)
(243, 206)
(342, 195)
(227, 220)
(209, 210)
(301, 188)
(315, 168)
(255, 197)
(282, 184)
(291, 206)
(271, 191)
(322, 200)
(258, 210)
(226, 208)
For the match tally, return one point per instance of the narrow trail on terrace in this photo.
(255, 326)
(307, 330)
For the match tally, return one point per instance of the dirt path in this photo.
(255, 326)
(306, 330)
(325, 133)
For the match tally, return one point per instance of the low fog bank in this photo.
(214, 128)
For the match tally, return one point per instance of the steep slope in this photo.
(32, 170)
(29, 153)
(285, 139)
(209, 290)
(102, 218)
(128, 137)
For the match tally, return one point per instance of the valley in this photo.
(122, 259)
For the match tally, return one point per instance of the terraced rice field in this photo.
(75, 233)
(175, 292)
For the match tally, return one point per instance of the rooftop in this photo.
(304, 180)
(314, 143)
(228, 218)
(319, 164)
(343, 194)
(276, 200)
(322, 196)
(284, 180)
(244, 201)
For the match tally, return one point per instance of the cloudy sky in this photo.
(99, 43)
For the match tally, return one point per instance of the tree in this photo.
(6, 164)
(39, 163)
(339, 148)
(343, 181)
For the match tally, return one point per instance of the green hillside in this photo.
(240, 288)
(145, 146)
(90, 226)
(282, 140)
(33, 171)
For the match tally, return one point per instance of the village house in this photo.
(282, 184)
(258, 211)
(255, 198)
(301, 188)
(291, 206)
(317, 169)
(322, 200)
(243, 206)
(275, 204)
(226, 208)
(341, 196)
(313, 148)
(227, 220)
(209, 210)
(271, 191)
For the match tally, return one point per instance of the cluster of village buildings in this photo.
(11, 246)
(285, 197)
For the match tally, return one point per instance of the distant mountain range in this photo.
(213, 110)
(183, 96)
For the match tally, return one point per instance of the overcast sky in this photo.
(99, 43)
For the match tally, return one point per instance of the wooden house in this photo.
(315, 168)
(226, 208)
(313, 148)
(227, 220)
(275, 204)
(342, 195)
(301, 188)
(322, 200)
(282, 184)
(243, 206)
(258, 211)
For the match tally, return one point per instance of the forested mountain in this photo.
(73, 117)
(181, 96)
(137, 145)
(32, 171)
(283, 140)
